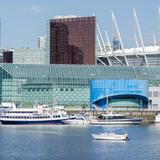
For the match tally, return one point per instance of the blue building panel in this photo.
(119, 93)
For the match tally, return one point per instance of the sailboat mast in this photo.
(0, 33)
(159, 25)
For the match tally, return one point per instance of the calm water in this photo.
(76, 143)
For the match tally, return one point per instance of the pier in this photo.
(147, 114)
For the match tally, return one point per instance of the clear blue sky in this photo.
(24, 20)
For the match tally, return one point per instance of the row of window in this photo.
(26, 117)
(20, 112)
(30, 117)
(154, 93)
(45, 89)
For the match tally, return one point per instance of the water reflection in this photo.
(71, 142)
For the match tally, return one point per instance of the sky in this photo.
(22, 21)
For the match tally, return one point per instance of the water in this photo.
(76, 143)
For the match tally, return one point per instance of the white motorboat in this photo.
(38, 115)
(110, 136)
(113, 118)
(77, 119)
(157, 118)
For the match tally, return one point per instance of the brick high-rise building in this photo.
(72, 40)
(7, 56)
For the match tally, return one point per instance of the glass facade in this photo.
(119, 93)
(67, 85)
(72, 40)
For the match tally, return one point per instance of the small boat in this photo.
(157, 118)
(110, 136)
(113, 118)
(41, 114)
(77, 119)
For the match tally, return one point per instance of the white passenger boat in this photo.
(157, 118)
(110, 136)
(113, 118)
(38, 115)
(77, 119)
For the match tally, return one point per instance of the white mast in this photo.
(135, 37)
(159, 26)
(111, 47)
(103, 43)
(0, 41)
(99, 44)
(154, 40)
(100, 50)
(138, 27)
(159, 22)
(0, 34)
(108, 41)
(140, 35)
(119, 36)
(101, 38)
(137, 45)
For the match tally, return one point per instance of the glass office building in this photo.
(119, 93)
(72, 40)
(67, 85)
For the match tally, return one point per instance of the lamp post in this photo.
(107, 99)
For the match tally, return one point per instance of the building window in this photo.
(155, 105)
(19, 90)
(150, 93)
(155, 93)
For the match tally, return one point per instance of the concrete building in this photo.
(154, 97)
(30, 56)
(42, 41)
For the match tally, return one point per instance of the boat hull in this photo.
(157, 118)
(22, 122)
(117, 121)
(109, 137)
(76, 122)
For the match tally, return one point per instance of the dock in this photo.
(148, 115)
